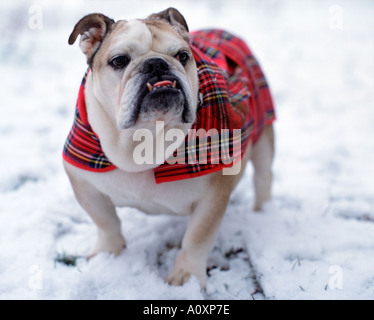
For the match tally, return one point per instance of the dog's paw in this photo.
(181, 276)
(111, 244)
(184, 269)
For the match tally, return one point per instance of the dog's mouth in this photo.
(160, 98)
(165, 84)
(165, 91)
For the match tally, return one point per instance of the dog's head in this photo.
(143, 70)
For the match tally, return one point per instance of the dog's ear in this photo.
(175, 19)
(92, 28)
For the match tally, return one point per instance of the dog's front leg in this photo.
(198, 240)
(103, 213)
(109, 235)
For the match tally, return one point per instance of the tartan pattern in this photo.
(83, 149)
(235, 96)
(235, 54)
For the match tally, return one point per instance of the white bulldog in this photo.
(143, 73)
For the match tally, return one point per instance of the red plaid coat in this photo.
(234, 95)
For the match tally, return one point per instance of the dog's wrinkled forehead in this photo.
(139, 37)
(130, 36)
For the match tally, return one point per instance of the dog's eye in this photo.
(183, 57)
(119, 62)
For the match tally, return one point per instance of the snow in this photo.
(314, 240)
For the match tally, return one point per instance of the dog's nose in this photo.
(155, 66)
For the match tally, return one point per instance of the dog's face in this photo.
(143, 70)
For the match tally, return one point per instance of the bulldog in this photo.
(151, 89)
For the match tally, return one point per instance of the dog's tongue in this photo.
(163, 83)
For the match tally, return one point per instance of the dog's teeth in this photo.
(174, 83)
(149, 86)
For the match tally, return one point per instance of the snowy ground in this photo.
(315, 240)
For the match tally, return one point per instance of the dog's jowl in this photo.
(211, 97)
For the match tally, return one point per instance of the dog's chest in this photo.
(140, 191)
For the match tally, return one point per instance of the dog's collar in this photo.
(233, 94)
